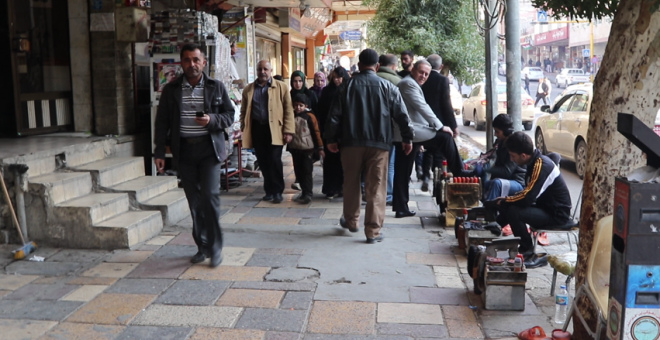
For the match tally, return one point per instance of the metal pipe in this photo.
(513, 96)
(19, 183)
(491, 75)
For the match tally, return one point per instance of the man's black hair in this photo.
(504, 123)
(278, 77)
(408, 53)
(368, 57)
(387, 60)
(299, 98)
(191, 48)
(520, 143)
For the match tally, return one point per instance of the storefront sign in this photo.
(351, 35)
(526, 42)
(551, 36)
(294, 19)
(249, 31)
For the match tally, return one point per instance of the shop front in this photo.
(551, 49)
(35, 58)
(583, 37)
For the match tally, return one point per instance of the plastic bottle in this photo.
(561, 305)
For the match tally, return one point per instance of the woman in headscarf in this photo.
(333, 174)
(319, 84)
(298, 86)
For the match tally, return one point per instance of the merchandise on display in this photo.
(173, 28)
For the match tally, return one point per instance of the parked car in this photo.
(570, 76)
(474, 106)
(534, 73)
(563, 128)
(456, 99)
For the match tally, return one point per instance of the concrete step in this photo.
(112, 171)
(62, 186)
(128, 229)
(91, 209)
(172, 205)
(146, 187)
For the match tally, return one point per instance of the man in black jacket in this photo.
(545, 201)
(436, 92)
(360, 120)
(506, 177)
(193, 111)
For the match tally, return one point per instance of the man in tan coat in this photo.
(267, 123)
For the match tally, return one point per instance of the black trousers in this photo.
(303, 165)
(540, 96)
(269, 157)
(431, 158)
(199, 170)
(519, 217)
(443, 143)
(333, 173)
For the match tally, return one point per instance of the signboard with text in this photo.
(350, 35)
(551, 36)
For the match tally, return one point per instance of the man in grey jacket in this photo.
(360, 120)
(429, 132)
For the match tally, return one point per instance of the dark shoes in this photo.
(536, 260)
(198, 258)
(342, 223)
(402, 214)
(277, 198)
(267, 198)
(304, 199)
(425, 185)
(378, 238)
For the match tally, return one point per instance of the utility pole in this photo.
(512, 33)
(491, 72)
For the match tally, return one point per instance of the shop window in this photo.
(298, 59)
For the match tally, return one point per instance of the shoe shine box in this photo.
(460, 196)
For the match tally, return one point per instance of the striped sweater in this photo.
(545, 188)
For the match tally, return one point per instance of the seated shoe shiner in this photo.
(501, 175)
(545, 200)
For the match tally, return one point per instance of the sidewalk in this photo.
(289, 272)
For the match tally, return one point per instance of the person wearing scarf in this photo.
(319, 84)
(333, 173)
(298, 86)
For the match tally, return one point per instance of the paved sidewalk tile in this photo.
(80, 331)
(283, 336)
(13, 282)
(439, 296)
(149, 332)
(288, 286)
(280, 251)
(231, 218)
(41, 292)
(235, 256)
(431, 259)
(112, 309)
(461, 322)
(225, 273)
(49, 280)
(409, 313)
(447, 277)
(297, 300)
(78, 255)
(304, 213)
(267, 212)
(115, 270)
(406, 220)
(161, 268)
(193, 293)
(227, 334)
(436, 247)
(160, 240)
(140, 286)
(269, 220)
(336, 317)
(272, 320)
(332, 214)
(24, 329)
(275, 261)
(240, 210)
(183, 239)
(131, 256)
(415, 331)
(188, 316)
(99, 281)
(38, 310)
(251, 298)
(4, 292)
(84, 293)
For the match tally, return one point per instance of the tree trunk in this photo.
(627, 82)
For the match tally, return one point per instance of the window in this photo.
(563, 104)
(298, 60)
(579, 103)
(475, 91)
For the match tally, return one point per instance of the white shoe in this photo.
(296, 186)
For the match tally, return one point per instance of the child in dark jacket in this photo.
(305, 144)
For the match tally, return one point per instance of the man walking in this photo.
(387, 71)
(436, 94)
(361, 121)
(527, 83)
(267, 123)
(407, 59)
(542, 92)
(193, 111)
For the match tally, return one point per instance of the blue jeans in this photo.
(390, 175)
(494, 188)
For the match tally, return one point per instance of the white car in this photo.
(533, 72)
(474, 106)
(570, 76)
(456, 99)
(563, 129)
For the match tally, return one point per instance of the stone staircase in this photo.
(102, 203)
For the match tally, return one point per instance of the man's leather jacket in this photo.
(364, 111)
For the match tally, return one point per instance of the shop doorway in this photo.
(35, 58)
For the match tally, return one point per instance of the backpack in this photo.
(303, 140)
